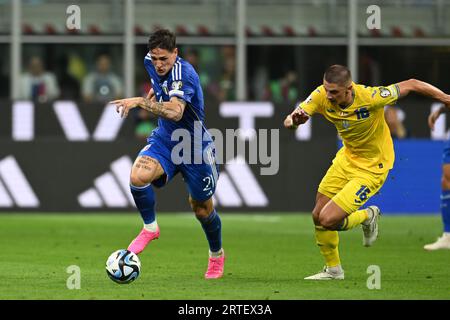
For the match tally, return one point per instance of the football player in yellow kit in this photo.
(361, 166)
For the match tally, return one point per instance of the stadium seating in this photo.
(264, 19)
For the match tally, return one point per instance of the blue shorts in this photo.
(201, 179)
(446, 153)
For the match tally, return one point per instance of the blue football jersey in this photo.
(183, 82)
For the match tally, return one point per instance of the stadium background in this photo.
(69, 153)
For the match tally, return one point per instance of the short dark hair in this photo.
(338, 74)
(163, 39)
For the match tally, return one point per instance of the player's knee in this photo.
(315, 216)
(201, 212)
(138, 179)
(445, 182)
(202, 209)
(327, 221)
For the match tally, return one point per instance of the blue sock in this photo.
(445, 209)
(144, 197)
(213, 230)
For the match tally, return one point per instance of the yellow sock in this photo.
(328, 242)
(354, 219)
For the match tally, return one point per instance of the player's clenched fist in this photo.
(123, 106)
(295, 119)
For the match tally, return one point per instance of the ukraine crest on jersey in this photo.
(362, 126)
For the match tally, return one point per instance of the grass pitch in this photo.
(267, 258)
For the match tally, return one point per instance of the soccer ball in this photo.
(123, 266)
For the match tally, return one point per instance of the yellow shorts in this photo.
(349, 186)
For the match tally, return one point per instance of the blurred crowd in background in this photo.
(93, 72)
(281, 74)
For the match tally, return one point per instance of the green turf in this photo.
(267, 258)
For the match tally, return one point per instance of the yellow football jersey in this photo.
(362, 126)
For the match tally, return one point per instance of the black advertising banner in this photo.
(71, 157)
(61, 176)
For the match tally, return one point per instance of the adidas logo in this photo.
(14, 186)
(111, 189)
(237, 186)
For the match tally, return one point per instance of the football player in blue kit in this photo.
(176, 98)
(442, 242)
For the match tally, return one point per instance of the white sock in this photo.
(152, 227)
(217, 254)
(370, 214)
(335, 270)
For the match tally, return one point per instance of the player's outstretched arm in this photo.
(172, 110)
(296, 118)
(423, 88)
(123, 106)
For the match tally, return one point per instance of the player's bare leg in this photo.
(332, 217)
(329, 218)
(144, 171)
(443, 242)
(206, 214)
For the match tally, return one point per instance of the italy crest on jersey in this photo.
(176, 85)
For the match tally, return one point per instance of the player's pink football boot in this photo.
(215, 267)
(142, 240)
